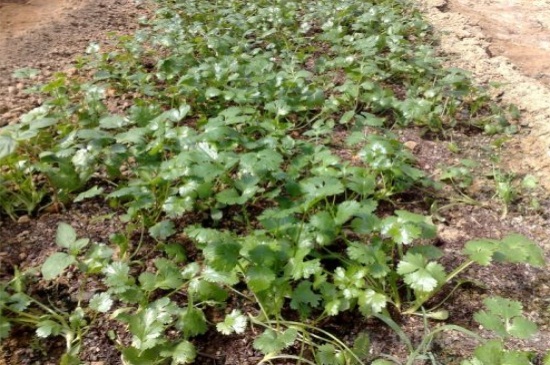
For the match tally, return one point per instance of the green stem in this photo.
(289, 357)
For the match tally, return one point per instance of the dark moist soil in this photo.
(26, 243)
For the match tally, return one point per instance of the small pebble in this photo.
(24, 219)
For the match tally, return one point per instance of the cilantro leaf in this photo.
(48, 328)
(329, 355)
(504, 317)
(234, 322)
(184, 353)
(259, 278)
(56, 264)
(101, 302)
(192, 322)
(372, 302)
(516, 248)
(420, 274)
(162, 230)
(480, 251)
(303, 298)
(271, 342)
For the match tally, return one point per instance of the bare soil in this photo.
(499, 41)
(49, 35)
(504, 43)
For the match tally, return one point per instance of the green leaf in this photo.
(90, 193)
(491, 322)
(117, 277)
(162, 230)
(328, 355)
(503, 307)
(259, 278)
(303, 298)
(18, 302)
(48, 328)
(184, 353)
(222, 254)
(133, 356)
(192, 322)
(65, 235)
(208, 291)
(55, 264)
(420, 274)
(516, 248)
(490, 353)
(25, 73)
(234, 322)
(113, 122)
(5, 327)
(361, 345)
(317, 188)
(101, 302)
(529, 182)
(326, 229)
(522, 328)
(372, 302)
(271, 342)
(382, 362)
(148, 325)
(168, 275)
(399, 231)
(7, 146)
(346, 210)
(480, 251)
(504, 317)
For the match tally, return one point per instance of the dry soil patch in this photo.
(48, 35)
(505, 42)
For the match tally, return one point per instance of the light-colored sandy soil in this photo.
(506, 42)
(20, 16)
(48, 35)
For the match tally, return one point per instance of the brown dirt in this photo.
(48, 35)
(505, 42)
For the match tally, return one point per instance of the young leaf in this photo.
(192, 322)
(328, 355)
(420, 274)
(259, 278)
(361, 345)
(372, 302)
(101, 303)
(7, 146)
(90, 193)
(65, 235)
(303, 298)
(48, 328)
(504, 317)
(5, 327)
(234, 322)
(162, 230)
(55, 264)
(184, 353)
(480, 251)
(271, 342)
(516, 248)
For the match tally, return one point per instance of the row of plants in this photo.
(216, 122)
